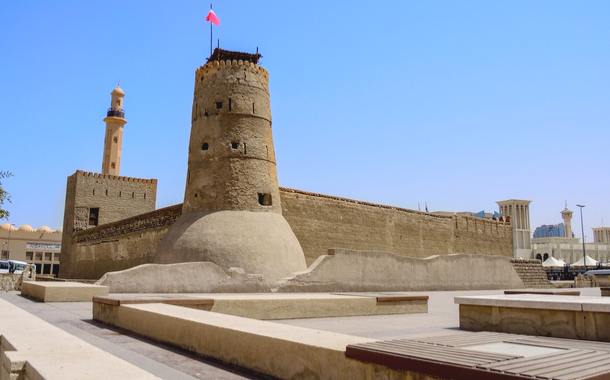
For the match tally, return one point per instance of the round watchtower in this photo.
(232, 213)
(231, 162)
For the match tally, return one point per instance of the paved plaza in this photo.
(170, 363)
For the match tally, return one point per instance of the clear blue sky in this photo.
(456, 103)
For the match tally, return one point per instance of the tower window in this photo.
(106, 192)
(113, 165)
(218, 105)
(115, 139)
(234, 145)
(94, 214)
(205, 146)
(264, 199)
(229, 104)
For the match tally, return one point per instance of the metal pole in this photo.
(8, 248)
(582, 228)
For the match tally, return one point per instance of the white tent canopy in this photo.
(553, 262)
(590, 262)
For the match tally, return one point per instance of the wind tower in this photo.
(519, 212)
(232, 214)
(115, 120)
(566, 214)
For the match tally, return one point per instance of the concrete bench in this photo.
(559, 316)
(553, 292)
(62, 291)
(33, 349)
(268, 306)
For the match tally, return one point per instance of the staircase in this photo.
(532, 274)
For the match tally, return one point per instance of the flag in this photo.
(211, 17)
(426, 206)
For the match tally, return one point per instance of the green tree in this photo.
(4, 196)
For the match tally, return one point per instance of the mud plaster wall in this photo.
(120, 245)
(319, 221)
(116, 197)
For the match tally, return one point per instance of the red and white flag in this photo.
(211, 17)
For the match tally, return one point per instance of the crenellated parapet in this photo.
(231, 87)
(115, 177)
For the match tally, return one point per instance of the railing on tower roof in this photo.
(115, 113)
(223, 55)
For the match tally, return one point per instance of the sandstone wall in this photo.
(321, 221)
(120, 245)
(115, 198)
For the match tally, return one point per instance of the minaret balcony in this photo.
(115, 113)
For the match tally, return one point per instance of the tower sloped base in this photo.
(258, 242)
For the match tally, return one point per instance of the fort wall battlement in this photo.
(319, 221)
(115, 177)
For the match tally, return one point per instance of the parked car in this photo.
(16, 267)
(4, 266)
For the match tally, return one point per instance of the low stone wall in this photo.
(532, 273)
(345, 270)
(9, 282)
(200, 277)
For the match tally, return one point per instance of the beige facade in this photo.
(115, 120)
(40, 246)
(569, 248)
(518, 211)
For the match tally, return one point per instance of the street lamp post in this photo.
(8, 247)
(584, 252)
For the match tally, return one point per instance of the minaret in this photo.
(115, 120)
(232, 212)
(566, 214)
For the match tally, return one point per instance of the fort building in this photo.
(234, 212)
(94, 199)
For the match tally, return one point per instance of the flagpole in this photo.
(211, 33)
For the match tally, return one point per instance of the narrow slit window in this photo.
(252, 107)
(106, 192)
(245, 151)
(229, 104)
(264, 199)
